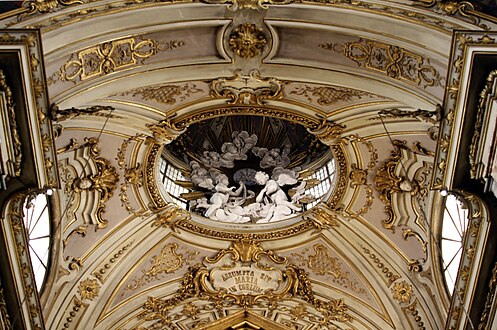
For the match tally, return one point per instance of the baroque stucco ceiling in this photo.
(128, 77)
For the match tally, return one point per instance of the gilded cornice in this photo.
(483, 106)
(67, 11)
(28, 291)
(463, 41)
(463, 9)
(182, 122)
(235, 5)
(37, 111)
(14, 134)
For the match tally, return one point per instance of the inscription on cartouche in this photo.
(245, 280)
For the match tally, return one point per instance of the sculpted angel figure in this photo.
(272, 158)
(273, 200)
(225, 203)
(230, 151)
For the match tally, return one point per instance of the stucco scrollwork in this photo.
(109, 57)
(328, 95)
(247, 89)
(328, 132)
(322, 217)
(104, 181)
(393, 61)
(45, 6)
(323, 264)
(243, 275)
(65, 114)
(388, 183)
(235, 5)
(170, 216)
(165, 131)
(165, 94)
(167, 261)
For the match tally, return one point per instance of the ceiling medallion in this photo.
(246, 89)
(248, 169)
(247, 276)
(247, 40)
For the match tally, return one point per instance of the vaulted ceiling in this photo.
(128, 77)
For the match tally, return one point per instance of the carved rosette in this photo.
(247, 41)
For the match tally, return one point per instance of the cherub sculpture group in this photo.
(240, 205)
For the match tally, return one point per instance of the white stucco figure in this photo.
(275, 204)
(200, 176)
(225, 204)
(272, 158)
(230, 151)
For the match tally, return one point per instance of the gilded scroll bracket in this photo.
(244, 275)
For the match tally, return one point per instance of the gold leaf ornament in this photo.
(247, 41)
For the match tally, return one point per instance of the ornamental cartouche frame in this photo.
(248, 276)
(174, 217)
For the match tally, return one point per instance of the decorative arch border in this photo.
(172, 216)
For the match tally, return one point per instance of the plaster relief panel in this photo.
(330, 98)
(130, 53)
(386, 60)
(327, 266)
(166, 261)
